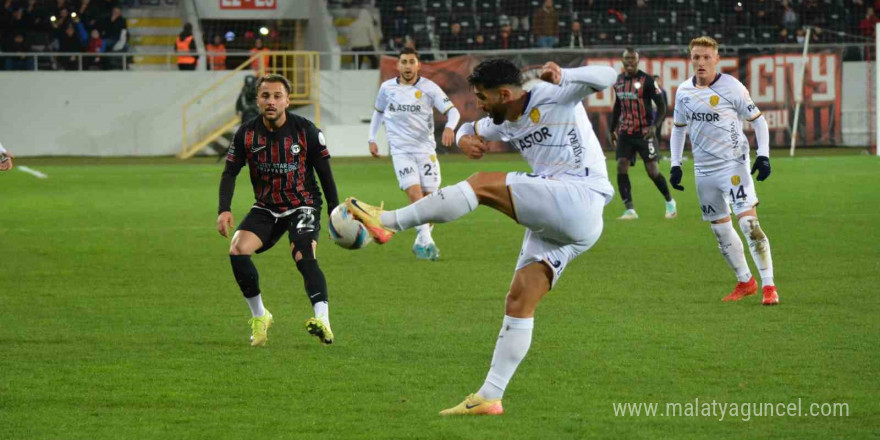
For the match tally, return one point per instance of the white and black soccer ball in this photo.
(346, 231)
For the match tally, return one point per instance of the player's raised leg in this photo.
(529, 285)
(759, 248)
(445, 205)
(244, 244)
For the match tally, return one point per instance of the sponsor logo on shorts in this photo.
(734, 180)
(406, 171)
(708, 209)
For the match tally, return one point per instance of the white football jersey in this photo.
(408, 113)
(554, 135)
(713, 115)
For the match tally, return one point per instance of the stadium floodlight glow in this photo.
(264, 30)
(52, 19)
(73, 15)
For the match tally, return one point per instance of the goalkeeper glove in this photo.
(675, 178)
(762, 166)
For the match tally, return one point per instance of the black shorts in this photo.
(303, 223)
(627, 146)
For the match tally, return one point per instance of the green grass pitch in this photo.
(121, 319)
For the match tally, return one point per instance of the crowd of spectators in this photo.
(466, 25)
(95, 27)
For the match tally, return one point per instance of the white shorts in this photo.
(563, 218)
(421, 169)
(732, 186)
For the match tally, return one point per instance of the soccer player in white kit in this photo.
(5, 159)
(710, 107)
(406, 104)
(560, 202)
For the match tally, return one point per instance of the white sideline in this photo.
(32, 172)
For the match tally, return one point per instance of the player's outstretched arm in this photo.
(375, 122)
(328, 183)
(660, 103)
(762, 135)
(452, 118)
(579, 82)
(235, 159)
(676, 147)
(471, 145)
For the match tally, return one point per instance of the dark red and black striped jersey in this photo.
(281, 162)
(633, 95)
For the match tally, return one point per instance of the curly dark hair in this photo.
(495, 72)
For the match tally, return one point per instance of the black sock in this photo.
(246, 275)
(316, 284)
(625, 189)
(660, 181)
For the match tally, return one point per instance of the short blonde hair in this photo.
(703, 41)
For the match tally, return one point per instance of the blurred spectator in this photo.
(576, 37)
(89, 14)
(17, 22)
(36, 16)
(185, 46)
(740, 17)
(869, 23)
(363, 36)
(517, 12)
(545, 26)
(71, 41)
(95, 46)
(216, 54)
(18, 45)
(115, 35)
(765, 13)
(638, 18)
(399, 23)
(454, 40)
(480, 43)
(259, 48)
(789, 17)
(505, 38)
(813, 14)
(246, 105)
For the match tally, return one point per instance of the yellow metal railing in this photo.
(211, 113)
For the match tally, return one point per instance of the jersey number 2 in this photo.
(428, 170)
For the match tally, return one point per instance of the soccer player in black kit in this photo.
(634, 129)
(283, 152)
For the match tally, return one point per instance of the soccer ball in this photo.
(346, 231)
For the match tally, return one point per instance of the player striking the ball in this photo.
(282, 150)
(560, 203)
(709, 107)
(406, 104)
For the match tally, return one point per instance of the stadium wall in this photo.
(98, 113)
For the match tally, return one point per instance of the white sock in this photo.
(759, 247)
(322, 311)
(424, 232)
(444, 205)
(732, 249)
(256, 305)
(510, 349)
